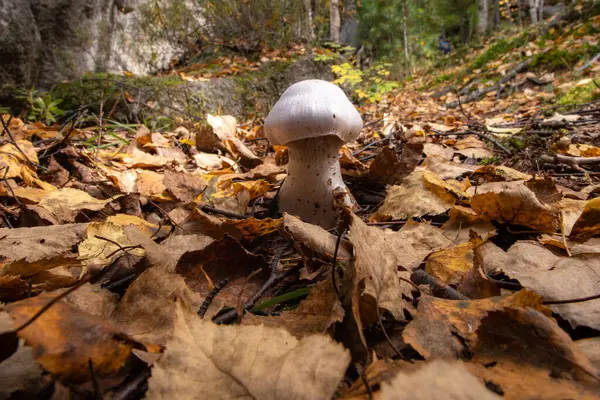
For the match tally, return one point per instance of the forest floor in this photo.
(138, 263)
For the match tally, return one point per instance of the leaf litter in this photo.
(470, 270)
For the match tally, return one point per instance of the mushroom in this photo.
(313, 118)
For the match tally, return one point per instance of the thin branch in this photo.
(570, 301)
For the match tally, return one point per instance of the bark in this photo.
(496, 14)
(307, 32)
(533, 11)
(334, 21)
(482, 22)
(405, 34)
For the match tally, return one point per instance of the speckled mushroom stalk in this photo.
(314, 176)
(313, 118)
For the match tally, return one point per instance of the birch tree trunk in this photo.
(334, 23)
(533, 11)
(306, 21)
(405, 34)
(482, 22)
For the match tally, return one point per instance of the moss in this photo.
(580, 94)
(498, 49)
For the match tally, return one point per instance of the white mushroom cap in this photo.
(312, 108)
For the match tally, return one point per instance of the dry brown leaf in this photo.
(516, 204)
(12, 158)
(29, 250)
(147, 227)
(147, 310)
(554, 277)
(65, 339)
(27, 195)
(588, 223)
(373, 278)
(591, 348)
(472, 147)
(316, 314)
(453, 264)
(19, 372)
(178, 245)
(438, 150)
(527, 355)
(462, 221)
(414, 198)
(140, 159)
(498, 173)
(225, 258)
(93, 299)
(436, 380)
(312, 241)
(100, 252)
(184, 186)
(66, 203)
(220, 361)
(447, 328)
(446, 169)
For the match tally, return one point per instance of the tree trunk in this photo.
(496, 14)
(405, 34)
(306, 21)
(533, 11)
(482, 22)
(334, 21)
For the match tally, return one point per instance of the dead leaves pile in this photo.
(170, 234)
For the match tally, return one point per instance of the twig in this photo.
(384, 331)
(211, 296)
(363, 378)
(275, 276)
(9, 187)
(113, 285)
(573, 161)
(124, 249)
(369, 145)
(14, 143)
(334, 262)
(163, 212)
(133, 387)
(570, 301)
(439, 288)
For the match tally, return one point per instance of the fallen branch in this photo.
(568, 160)
(438, 287)
(479, 93)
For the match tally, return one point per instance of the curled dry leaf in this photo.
(225, 258)
(100, 252)
(17, 165)
(453, 264)
(497, 173)
(526, 355)
(316, 314)
(462, 221)
(247, 362)
(472, 147)
(66, 203)
(415, 197)
(554, 277)
(312, 241)
(514, 203)
(446, 169)
(65, 339)
(588, 223)
(436, 380)
(446, 328)
(25, 251)
(147, 310)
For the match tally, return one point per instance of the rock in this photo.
(43, 42)
(19, 43)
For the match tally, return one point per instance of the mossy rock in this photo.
(580, 94)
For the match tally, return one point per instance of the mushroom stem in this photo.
(314, 178)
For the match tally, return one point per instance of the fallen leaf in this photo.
(472, 147)
(414, 198)
(184, 186)
(590, 347)
(588, 223)
(147, 310)
(453, 264)
(497, 173)
(446, 169)
(65, 339)
(309, 368)
(435, 380)
(447, 328)
(552, 276)
(100, 252)
(225, 258)
(462, 221)
(514, 203)
(29, 250)
(438, 150)
(316, 314)
(66, 203)
(13, 159)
